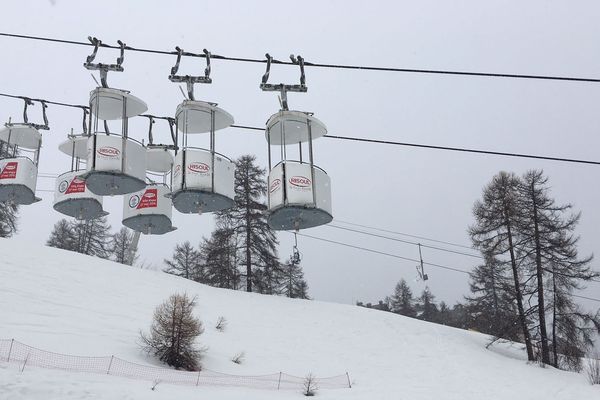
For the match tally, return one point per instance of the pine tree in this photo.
(402, 301)
(186, 262)
(220, 259)
(8, 211)
(62, 236)
(497, 217)
(553, 263)
(257, 242)
(122, 248)
(92, 237)
(89, 237)
(293, 284)
(269, 278)
(459, 318)
(491, 305)
(426, 308)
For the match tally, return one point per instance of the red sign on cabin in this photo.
(9, 171)
(77, 185)
(149, 199)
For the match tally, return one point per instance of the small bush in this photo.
(173, 332)
(221, 324)
(593, 369)
(310, 385)
(238, 358)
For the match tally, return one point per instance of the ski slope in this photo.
(70, 303)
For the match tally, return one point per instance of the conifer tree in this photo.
(553, 263)
(444, 314)
(491, 304)
(186, 262)
(256, 240)
(495, 233)
(62, 236)
(402, 301)
(293, 284)
(121, 247)
(426, 308)
(91, 237)
(220, 259)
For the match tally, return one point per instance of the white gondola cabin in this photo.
(19, 171)
(202, 179)
(71, 194)
(299, 192)
(115, 162)
(149, 211)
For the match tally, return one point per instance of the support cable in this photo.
(376, 141)
(452, 269)
(314, 64)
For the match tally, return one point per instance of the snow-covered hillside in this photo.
(69, 303)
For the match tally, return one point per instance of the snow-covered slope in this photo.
(69, 303)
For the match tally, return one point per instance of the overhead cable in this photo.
(375, 141)
(403, 234)
(404, 241)
(316, 64)
(452, 269)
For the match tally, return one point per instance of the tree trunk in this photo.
(248, 239)
(518, 294)
(554, 345)
(540, 282)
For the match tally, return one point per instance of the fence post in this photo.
(10, 349)
(198, 379)
(23, 367)
(348, 376)
(109, 365)
(279, 381)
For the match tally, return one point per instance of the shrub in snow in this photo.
(173, 332)
(221, 324)
(310, 385)
(238, 358)
(593, 369)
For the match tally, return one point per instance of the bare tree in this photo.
(310, 386)
(173, 332)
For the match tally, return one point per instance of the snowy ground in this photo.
(69, 303)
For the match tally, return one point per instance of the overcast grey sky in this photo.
(422, 192)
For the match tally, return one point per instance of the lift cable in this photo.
(403, 234)
(424, 245)
(44, 101)
(384, 253)
(404, 241)
(465, 150)
(452, 269)
(314, 64)
(376, 141)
